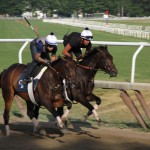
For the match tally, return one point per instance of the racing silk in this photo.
(75, 41)
(40, 48)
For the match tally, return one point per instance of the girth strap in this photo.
(30, 85)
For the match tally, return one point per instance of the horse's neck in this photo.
(90, 61)
(91, 64)
(87, 72)
(59, 67)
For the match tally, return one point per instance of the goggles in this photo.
(87, 37)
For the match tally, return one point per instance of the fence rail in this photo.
(120, 29)
(114, 84)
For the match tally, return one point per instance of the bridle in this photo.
(87, 67)
(106, 67)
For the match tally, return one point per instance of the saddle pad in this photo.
(22, 87)
(31, 86)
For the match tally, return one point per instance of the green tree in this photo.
(66, 8)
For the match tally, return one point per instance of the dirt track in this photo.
(84, 137)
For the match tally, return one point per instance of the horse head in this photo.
(100, 58)
(106, 61)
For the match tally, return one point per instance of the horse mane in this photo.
(95, 50)
(61, 58)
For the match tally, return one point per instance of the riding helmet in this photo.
(51, 39)
(87, 34)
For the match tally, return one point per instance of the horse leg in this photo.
(20, 106)
(33, 113)
(50, 108)
(65, 115)
(8, 98)
(86, 103)
(98, 102)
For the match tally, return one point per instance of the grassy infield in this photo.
(11, 29)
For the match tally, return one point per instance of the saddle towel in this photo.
(31, 86)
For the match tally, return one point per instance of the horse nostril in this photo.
(113, 74)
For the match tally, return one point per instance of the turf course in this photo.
(17, 29)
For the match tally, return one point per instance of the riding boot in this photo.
(28, 71)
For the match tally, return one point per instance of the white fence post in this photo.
(134, 61)
(21, 51)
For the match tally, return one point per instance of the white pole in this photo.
(134, 61)
(21, 50)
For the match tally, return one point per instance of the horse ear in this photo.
(106, 46)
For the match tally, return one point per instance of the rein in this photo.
(55, 71)
(86, 67)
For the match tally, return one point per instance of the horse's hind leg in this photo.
(33, 113)
(8, 98)
(20, 106)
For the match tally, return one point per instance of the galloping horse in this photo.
(98, 58)
(48, 92)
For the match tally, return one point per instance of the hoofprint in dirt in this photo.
(85, 136)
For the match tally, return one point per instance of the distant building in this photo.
(38, 14)
(27, 14)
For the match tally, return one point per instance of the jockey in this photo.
(40, 49)
(75, 41)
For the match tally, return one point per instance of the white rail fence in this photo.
(102, 84)
(120, 29)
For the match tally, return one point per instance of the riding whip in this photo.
(31, 26)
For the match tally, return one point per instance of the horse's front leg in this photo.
(65, 114)
(82, 99)
(33, 113)
(98, 102)
(50, 108)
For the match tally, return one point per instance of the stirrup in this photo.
(26, 81)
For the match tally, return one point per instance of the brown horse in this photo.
(98, 58)
(48, 92)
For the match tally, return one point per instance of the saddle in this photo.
(34, 80)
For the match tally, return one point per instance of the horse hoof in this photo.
(42, 132)
(7, 130)
(39, 131)
(68, 125)
(100, 123)
(59, 126)
(85, 117)
(64, 131)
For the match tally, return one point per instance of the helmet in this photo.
(87, 34)
(51, 39)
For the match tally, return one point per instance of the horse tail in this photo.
(1, 74)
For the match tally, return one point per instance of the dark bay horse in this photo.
(48, 92)
(98, 58)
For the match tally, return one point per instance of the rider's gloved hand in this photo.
(79, 58)
(47, 63)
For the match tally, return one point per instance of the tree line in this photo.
(65, 8)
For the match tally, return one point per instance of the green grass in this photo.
(11, 29)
